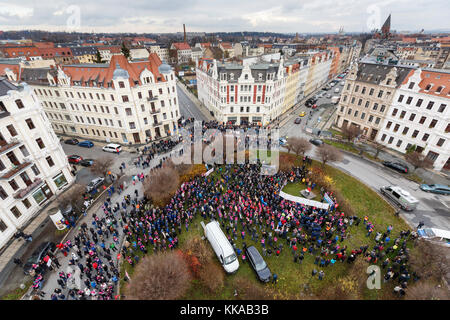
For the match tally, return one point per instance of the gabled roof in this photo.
(181, 46)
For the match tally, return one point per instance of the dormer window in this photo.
(439, 89)
(231, 76)
(260, 76)
(121, 84)
(428, 87)
(411, 85)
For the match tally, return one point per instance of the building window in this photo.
(394, 112)
(363, 115)
(12, 130)
(26, 203)
(411, 85)
(39, 196)
(16, 212)
(132, 125)
(128, 111)
(125, 98)
(388, 125)
(399, 143)
(396, 127)
(440, 142)
(60, 180)
(415, 133)
(405, 130)
(30, 124)
(422, 120)
(356, 88)
(370, 118)
(408, 101)
(121, 84)
(383, 137)
(380, 93)
(3, 193)
(425, 137)
(419, 102)
(35, 170)
(13, 184)
(433, 123)
(3, 226)
(50, 161)
(19, 104)
(430, 105)
(383, 107)
(377, 121)
(442, 107)
(390, 140)
(412, 116)
(402, 114)
(24, 151)
(371, 92)
(375, 106)
(40, 143)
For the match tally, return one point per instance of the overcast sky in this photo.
(155, 16)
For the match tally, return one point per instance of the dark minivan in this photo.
(37, 255)
(258, 264)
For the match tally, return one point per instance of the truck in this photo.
(335, 99)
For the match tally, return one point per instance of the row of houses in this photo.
(401, 107)
(259, 91)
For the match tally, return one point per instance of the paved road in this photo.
(188, 109)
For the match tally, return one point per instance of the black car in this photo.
(38, 255)
(71, 141)
(397, 166)
(258, 264)
(87, 162)
(316, 142)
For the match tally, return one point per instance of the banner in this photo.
(304, 201)
(207, 173)
(328, 199)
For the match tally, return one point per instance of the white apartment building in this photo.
(319, 69)
(184, 52)
(420, 115)
(33, 165)
(242, 94)
(139, 53)
(163, 53)
(196, 53)
(128, 102)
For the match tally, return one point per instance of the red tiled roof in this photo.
(437, 79)
(181, 45)
(55, 52)
(226, 45)
(24, 51)
(44, 44)
(105, 73)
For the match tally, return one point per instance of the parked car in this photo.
(87, 162)
(302, 114)
(71, 141)
(401, 197)
(435, 188)
(258, 264)
(112, 147)
(298, 121)
(316, 142)
(86, 144)
(328, 96)
(314, 106)
(396, 166)
(325, 88)
(75, 159)
(94, 184)
(37, 255)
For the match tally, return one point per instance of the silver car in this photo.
(94, 184)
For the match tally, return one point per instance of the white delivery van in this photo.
(112, 147)
(335, 99)
(222, 247)
(401, 197)
(336, 90)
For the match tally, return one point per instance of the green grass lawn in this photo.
(294, 276)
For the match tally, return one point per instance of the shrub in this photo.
(161, 185)
(212, 276)
(248, 290)
(159, 277)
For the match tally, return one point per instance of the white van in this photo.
(222, 247)
(336, 90)
(112, 147)
(401, 197)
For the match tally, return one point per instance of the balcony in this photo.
(6, 146)
(155, 124)
(15, 170)
(153, 111)
(152, 98)
(33, 186)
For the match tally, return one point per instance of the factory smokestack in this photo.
(184, 30)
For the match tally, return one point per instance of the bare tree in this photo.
(418, 160)
(162, 184)
(378, 147)
(429, 260)
(299, 145)
(328, 153)
(72, 197)
(159, 277)
(101, 166)
(350, 132)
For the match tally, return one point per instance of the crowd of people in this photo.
(247, 206)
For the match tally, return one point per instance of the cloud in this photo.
(159, 16)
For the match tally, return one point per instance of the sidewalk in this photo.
(52, 276)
